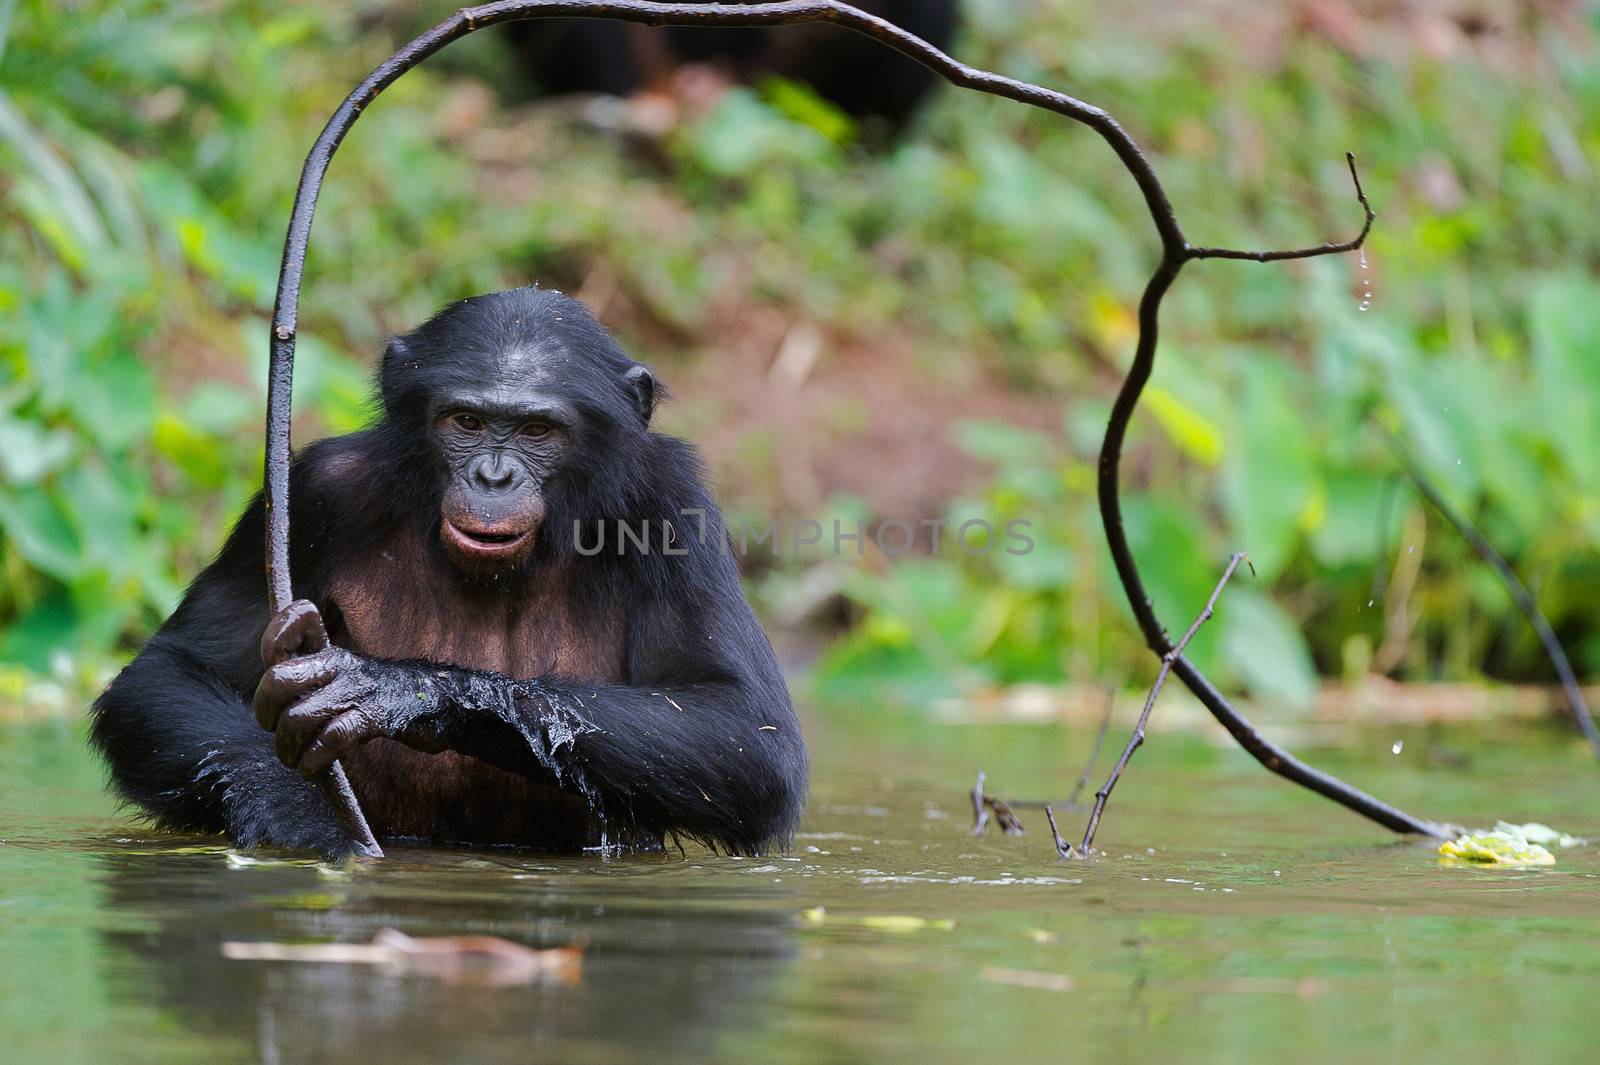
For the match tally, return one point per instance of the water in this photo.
(1232, 918)
(1366, 283)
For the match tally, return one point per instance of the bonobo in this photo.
(859, 76)
(483, 680)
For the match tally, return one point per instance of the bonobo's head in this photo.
(522, 399)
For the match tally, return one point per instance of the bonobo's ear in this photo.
(392, 376)
(642, 384)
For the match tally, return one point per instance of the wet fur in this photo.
(176, 726)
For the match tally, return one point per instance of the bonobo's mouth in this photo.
(485, 542)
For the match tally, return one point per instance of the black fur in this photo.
(696, 738)
(858, 75)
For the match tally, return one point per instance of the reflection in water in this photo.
(658, 971)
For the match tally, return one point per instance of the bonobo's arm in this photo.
(704, 744)
(176, 725)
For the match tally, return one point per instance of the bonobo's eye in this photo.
(468, 422)
(536, 430)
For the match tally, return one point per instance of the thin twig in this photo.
(1062, 849)
(1175, 252)
(1008, 821)
(1576, 705)
(1094, 755)
(1136, 740)
(1300, 253)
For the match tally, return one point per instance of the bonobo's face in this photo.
(498, 444)
(525, 400)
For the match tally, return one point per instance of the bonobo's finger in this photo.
(297, 629)
(288, 681)
(301, 723)
(335, 741)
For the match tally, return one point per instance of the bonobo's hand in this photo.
(323, 702)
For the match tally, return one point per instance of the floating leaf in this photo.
(1495, 848)
(1534, 832)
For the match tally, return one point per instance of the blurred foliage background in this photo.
(931, 328)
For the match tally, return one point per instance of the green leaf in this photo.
(1566, 334)
(28, 451)
(1271, 477)
(1348, 531)
(104, 514)
(1265, 647)
(1194, 434)
(39, 634)
(1179, 569)
(801, 103)
(41, 531)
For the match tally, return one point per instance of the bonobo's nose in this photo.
(493, 473)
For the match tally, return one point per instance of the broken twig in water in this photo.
(1136, 740)
(1008, 821)
(1004, 817)
(1576, 705)
(1062, 850)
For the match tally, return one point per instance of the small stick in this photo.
(333, 784)
(1094, 755)
(1003, 815)
(1137, 739)
(1508, 577)
(1008, 822)
(1063, 849)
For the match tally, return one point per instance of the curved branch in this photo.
(1175, 252)
(1266, 752)
(1300, 253)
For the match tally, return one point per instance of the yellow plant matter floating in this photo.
(1494, 848)
(891, 922)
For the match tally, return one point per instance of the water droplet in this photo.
(1366, 283)
(1411, 550)
(1399, 745)
(1371, 601)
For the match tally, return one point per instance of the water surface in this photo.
(1231, 918)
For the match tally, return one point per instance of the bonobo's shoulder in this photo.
(346, 486)
(675, 465)
(680, 495)
(336, 463)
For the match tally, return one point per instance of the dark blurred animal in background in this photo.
(495, 660)
(859, 76)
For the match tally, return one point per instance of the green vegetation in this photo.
(148, 152)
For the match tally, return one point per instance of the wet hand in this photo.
(319, 701)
